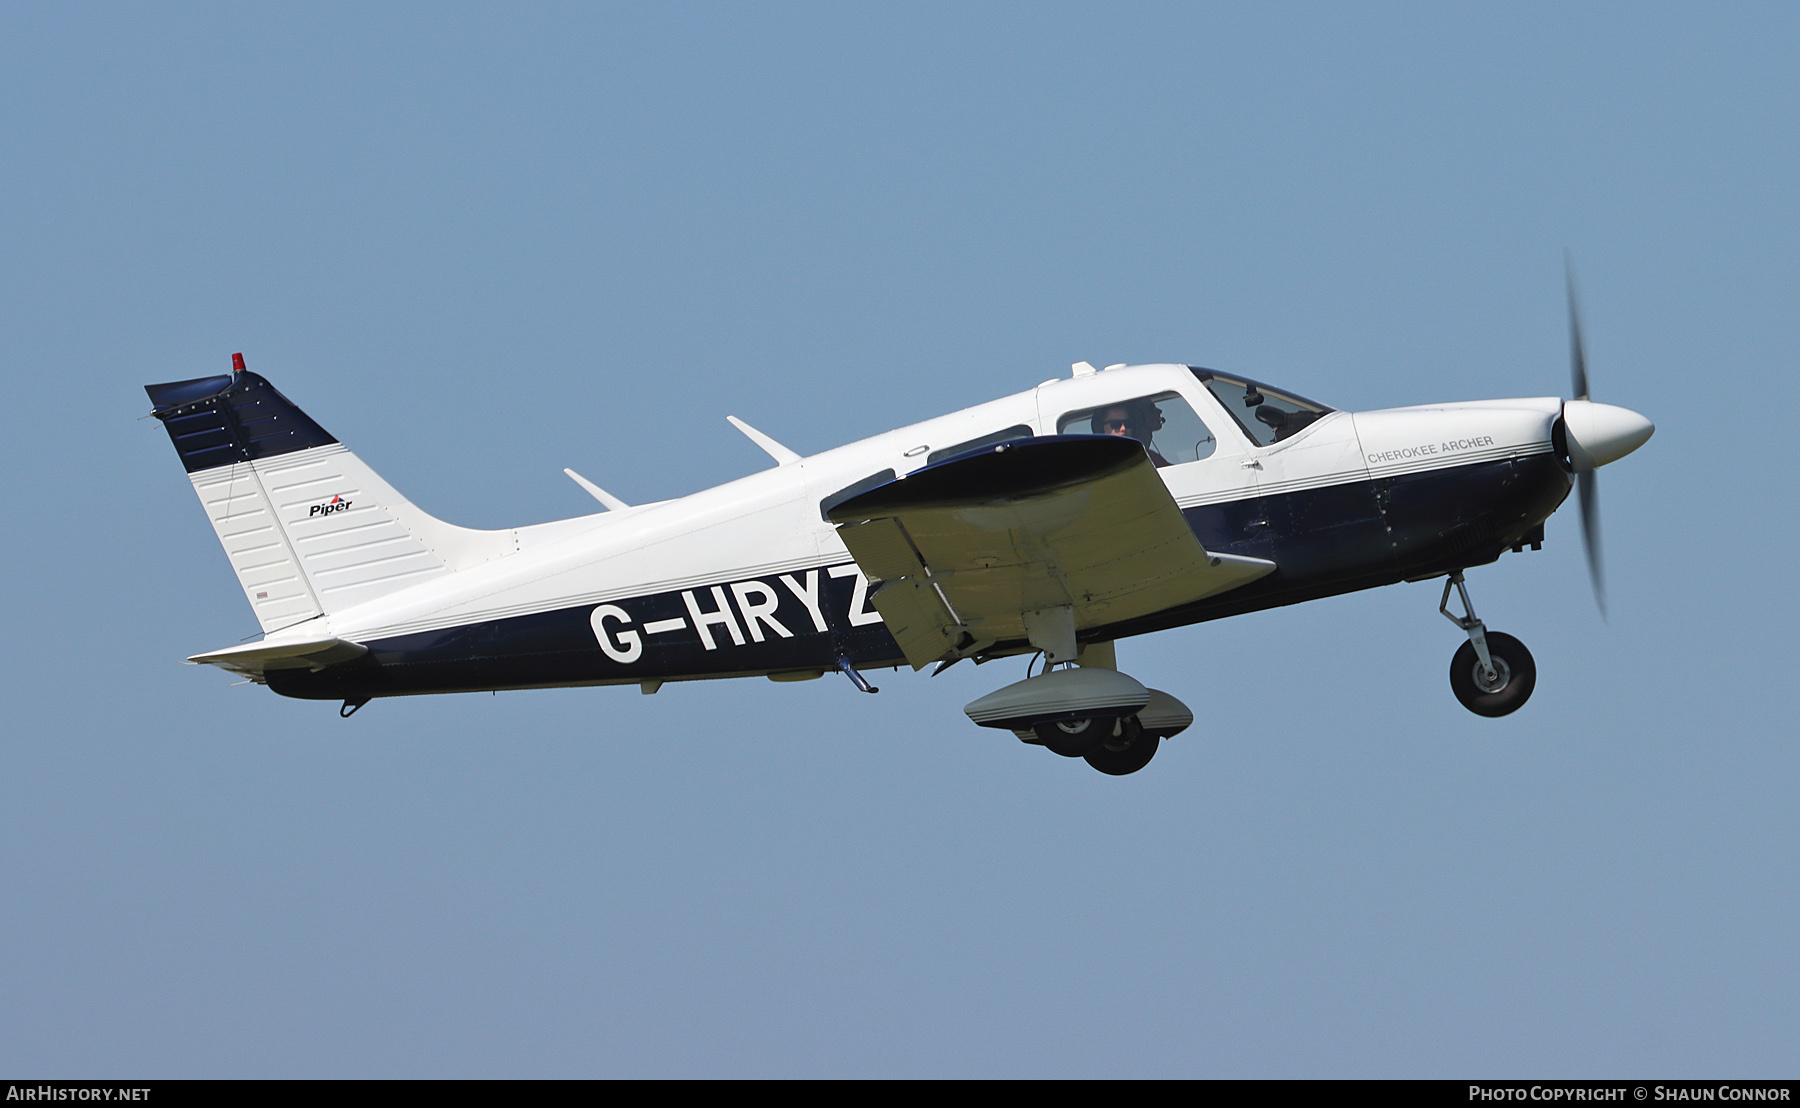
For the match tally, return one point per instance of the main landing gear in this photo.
(1091, 712)
(1492, 674)
(1114, 746)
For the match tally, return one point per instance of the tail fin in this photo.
(309, 528)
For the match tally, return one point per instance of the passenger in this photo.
(1132, 421)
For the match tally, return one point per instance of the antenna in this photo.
(612, 502)
(773, 449)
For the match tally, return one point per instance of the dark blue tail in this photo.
(215, 421)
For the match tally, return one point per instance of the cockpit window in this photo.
(1267, 415)
(1165, 423)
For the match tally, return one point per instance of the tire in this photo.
(1130, 759)
(1073, 738)
(1517, 676)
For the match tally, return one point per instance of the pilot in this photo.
(1138, 421)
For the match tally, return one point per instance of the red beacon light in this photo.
(237, 363)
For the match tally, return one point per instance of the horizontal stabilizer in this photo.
(254, 659)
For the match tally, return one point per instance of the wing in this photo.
(1034, 539)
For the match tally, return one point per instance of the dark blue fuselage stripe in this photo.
(1324, 541)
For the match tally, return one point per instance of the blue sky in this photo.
(480, 244)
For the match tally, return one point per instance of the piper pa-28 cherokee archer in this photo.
(1050, 523)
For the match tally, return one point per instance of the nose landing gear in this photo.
(1492, 674)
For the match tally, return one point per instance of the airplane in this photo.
(1047, 524)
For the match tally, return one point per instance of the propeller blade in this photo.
(1577, 354)
(1586, 484)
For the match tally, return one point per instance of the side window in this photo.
(1267, 415)
(1018, 431)
(1165, 423)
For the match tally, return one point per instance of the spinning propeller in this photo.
(1593, 435)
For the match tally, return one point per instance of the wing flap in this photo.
(883, 549)
(915, 614)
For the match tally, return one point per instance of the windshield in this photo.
(1267, 415)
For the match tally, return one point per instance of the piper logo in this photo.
(335, 504)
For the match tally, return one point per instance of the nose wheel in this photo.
(1514, 675)
(1492, 674)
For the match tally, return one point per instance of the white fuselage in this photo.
(769, 524)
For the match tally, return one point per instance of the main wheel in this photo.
(1073, 738)
(1515, 675)
(1128, 752)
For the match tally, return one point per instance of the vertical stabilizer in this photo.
(309, 528)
